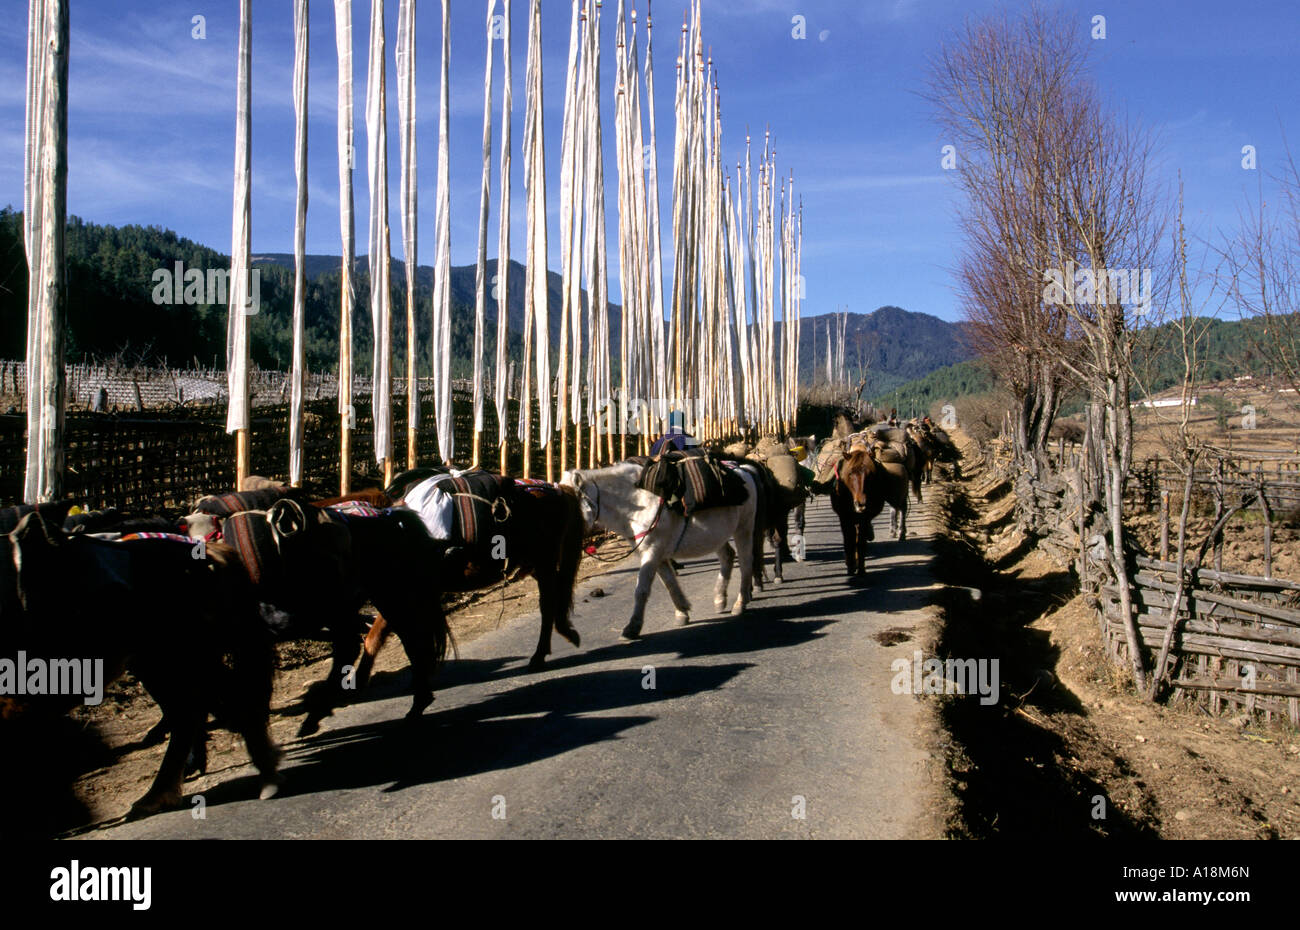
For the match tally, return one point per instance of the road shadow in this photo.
(515, 727)
(1008, 770)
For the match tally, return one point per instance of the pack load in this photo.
(785, 470)
(691, 481)
(225, 505)
(831, 453)
(890, 434)
(463, 507)
(769, 446)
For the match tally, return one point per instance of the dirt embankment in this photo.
(1070, 750)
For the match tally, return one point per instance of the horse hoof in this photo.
(719, 604)
(419, 704)
(738, 608)
(536, 663)
(778, 581)
(158, 733)
(270, 787)
(631, 632)
(683, 618)
(153, 804)
(572, 636)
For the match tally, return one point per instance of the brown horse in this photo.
(862, 488)
(537, 530)
(119, 604)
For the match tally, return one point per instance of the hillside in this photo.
(895, 346)
(1228, 350)
(112, 311)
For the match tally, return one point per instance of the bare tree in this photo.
(1063, 227)
(998, 89)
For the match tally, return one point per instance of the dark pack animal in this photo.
(121, 604)
(503, 527)
(312, 570)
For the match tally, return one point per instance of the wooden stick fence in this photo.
(1235, 641)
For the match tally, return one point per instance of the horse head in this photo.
(36, 545)
(588, 496)
(854, 473)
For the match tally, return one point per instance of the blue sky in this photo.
(151, 121)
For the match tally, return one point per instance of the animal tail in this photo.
(571, 540)
(422, 552)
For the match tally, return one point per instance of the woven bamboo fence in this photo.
(160, 461)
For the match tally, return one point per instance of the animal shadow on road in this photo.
(502, 732)
(762, 628)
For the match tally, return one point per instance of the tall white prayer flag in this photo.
(442, 267)
(298, 375)
(380, 299)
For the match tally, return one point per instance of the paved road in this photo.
(790, 701)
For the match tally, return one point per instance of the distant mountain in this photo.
(112, 311)
(890, 346)
(464, 288)
(1228, 349)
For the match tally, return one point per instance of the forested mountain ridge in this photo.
(113, 282)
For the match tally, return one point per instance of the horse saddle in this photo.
(227, 505)
(274, 544)
(480, 501)
(688, 482)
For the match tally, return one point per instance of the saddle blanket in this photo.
(250, 535)
(460, 508)
(353, 510)
(690, 482)
(171, 537)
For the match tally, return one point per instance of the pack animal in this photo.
(612, 499)
(116, 602)
(862, 487)
(509, 528)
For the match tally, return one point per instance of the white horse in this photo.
(612, 501)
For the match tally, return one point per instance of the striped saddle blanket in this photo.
(355, 510)
(170, 537)
(272, 543)
(688, 482)
(476, 503)
(225, 505)
(463, 509)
